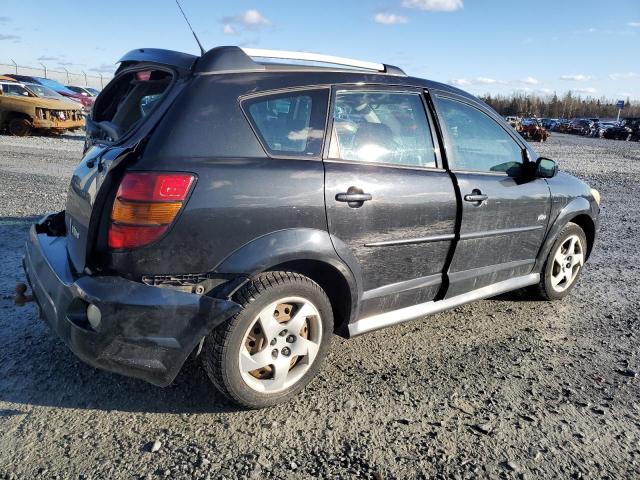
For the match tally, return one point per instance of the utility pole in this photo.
(15, 65)
(45, 70)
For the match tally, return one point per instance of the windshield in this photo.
(58, 87)
(92, 91)
(42, 91)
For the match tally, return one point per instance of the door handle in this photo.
(354, 197)
(476, 197)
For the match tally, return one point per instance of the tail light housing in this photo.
(146, 204)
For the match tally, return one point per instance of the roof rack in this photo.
(233, 59)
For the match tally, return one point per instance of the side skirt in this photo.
(402, 315)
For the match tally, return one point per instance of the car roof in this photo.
(324, 69)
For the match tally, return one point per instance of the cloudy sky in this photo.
(587, 46)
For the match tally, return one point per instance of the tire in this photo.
(19, 127)
(246, 340)
(549, 288)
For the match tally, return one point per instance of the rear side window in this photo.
(381, 127)
(290, 124)
(476, 141)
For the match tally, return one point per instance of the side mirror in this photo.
(546, 168)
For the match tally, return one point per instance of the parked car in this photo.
(548, 123)
(85, 101)
(532, 129)
(580, 126)
(629, 129)
(255, 208)
(86, 91)
(562, 126)
(22, 110)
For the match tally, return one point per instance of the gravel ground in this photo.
(503, 388)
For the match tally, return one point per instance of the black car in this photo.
(629, 129)
(244, 209)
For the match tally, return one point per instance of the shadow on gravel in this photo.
(36, 368)
(516, 296)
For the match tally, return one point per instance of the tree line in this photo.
(567, 106)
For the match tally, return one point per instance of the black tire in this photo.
(545, 289)
(221, 350)
(19, 127)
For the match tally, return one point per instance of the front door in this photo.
(504, 212)
(388, 200)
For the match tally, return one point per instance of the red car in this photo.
(87, 102)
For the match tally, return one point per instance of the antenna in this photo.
(202, 50)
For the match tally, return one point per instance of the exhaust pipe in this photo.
(21, 299)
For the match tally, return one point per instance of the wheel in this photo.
(19, 127)
(270, 350)
(564, 263)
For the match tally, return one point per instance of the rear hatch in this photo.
(124, 114)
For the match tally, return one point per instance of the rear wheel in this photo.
(19, 127)
(564, 263)
(275, 345)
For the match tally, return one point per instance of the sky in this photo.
(483, 46)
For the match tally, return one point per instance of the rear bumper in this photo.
(145, 332)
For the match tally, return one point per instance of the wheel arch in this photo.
(309, 252)
(332, 282)
(579, 211)
(588, 226)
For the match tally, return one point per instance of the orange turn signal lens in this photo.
(142, 213)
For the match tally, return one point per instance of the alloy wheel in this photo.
(280, 345)
(567, 262)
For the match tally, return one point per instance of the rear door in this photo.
(388, 199)
(504, 211)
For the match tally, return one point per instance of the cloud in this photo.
(250, 20)
(487, 81)
(585, 90)
(623, 76)
(434, 5)
(9, 37)
(459, 82)
(530, 80)
(228, 29)
(4, 19)
(575, 78)
(389, 18)
(463, 82)
(634, 24)
(45, 58)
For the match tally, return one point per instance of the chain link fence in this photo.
(65, 77)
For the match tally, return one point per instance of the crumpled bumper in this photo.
(145, 332)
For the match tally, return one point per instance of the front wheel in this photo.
(19, 127)
(564, 263)
(270, 350)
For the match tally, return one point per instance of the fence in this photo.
(65, 77)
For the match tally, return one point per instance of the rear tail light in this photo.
(145, 206)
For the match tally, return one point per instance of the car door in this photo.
(504, 210)
(389, 202)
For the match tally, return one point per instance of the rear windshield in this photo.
(125, 102)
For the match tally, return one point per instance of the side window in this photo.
(290, 124)
(15, 91)
(381, 127)
(476, 141)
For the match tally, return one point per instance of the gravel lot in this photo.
(503, 388)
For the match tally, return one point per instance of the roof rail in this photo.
(313, 57)
(225, 59)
